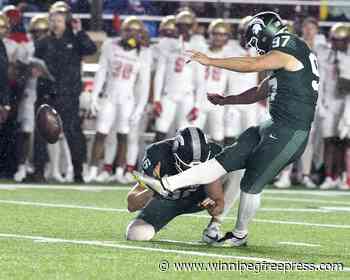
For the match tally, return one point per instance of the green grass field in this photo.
(67, 232)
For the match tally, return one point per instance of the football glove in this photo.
(193, 115)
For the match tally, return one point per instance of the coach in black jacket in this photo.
(4, 84)
(4, 112)
(62, 52)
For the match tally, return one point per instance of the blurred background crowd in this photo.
(116, 73)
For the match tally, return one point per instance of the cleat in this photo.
(307, 181)
(129, 178)
(211, 234)
(344, 185)
(231, 240)
(328, 184)
(92, 175)
(58, 177)
(284, 181)
(103, 177)
(118, 176)
(151, 183)
(69, 178)
(21, 173)
(30, 168)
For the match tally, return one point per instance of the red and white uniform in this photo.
(239, 117)
(15, 51)
(26, 112)
(215, 80)
(22, 52)
(123, 77)
(175, 84)
(331, 103)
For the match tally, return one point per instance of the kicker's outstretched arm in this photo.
(271, 61)
(250, 96)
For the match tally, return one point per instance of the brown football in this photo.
(49, 123)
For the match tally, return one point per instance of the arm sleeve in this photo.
(101, 74)
(85, 44)
(159, 77)
(199, 84)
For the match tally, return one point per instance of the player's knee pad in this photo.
(139, 230)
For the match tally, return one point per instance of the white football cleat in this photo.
(21, 173)
(129, 178)
(92, 174)
(103, 177)
(329, 184)
(30, 168)
(211, 234)
(344, 187)
(151, 183)
(56, 176)
(308, 183)
(284, 181)
(119, 175)
(344, 184)
(231, 240)
(69, 178)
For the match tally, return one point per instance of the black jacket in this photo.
(4, 83)
(63, 58)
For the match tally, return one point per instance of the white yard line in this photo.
(301, 223)
(131, 247)
(58, 205)
(88, 188)
(108, 244)
(126, 188)
(307, 200)
(299, 244)
(304, 210)
(308, 192)
(197, 243)
(53, 205)
(339, 209)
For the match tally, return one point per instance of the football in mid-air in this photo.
(49, 123)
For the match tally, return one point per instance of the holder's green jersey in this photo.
(293, 95)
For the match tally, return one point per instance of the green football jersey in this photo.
(293, 95)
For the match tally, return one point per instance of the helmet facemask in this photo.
(190, 148)
(181, 166)
(131, 33)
